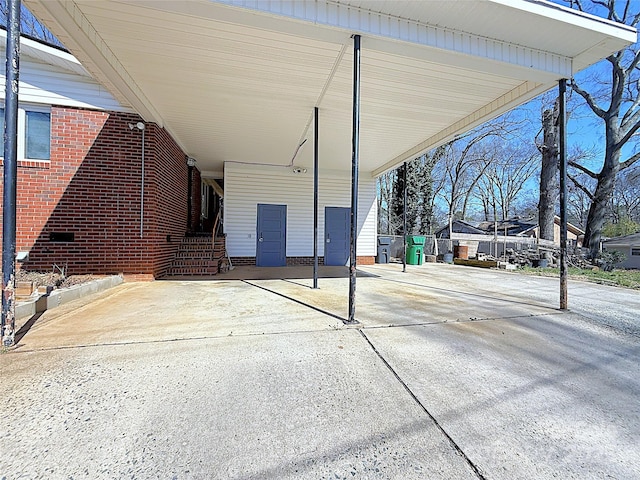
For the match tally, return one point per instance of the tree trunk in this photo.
(549, 178)
(599, 207)
(604, 190)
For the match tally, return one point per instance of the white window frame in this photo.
(22, 129)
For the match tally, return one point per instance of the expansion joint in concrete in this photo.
(453, 443)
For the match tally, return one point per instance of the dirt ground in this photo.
(51, 279)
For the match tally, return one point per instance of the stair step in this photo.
(191, 272)
(190, 262)
(197, 256)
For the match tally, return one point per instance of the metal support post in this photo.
(315, 197)
(355, 140)
(562, 122)
(404, 217)
(7, 327)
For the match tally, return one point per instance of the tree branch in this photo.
(589, 99)
(580, 186)
(631, 114)
(628, 134)
(610, 7)
(630, 161)
(583, 169)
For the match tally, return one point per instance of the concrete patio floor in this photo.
(453, 373)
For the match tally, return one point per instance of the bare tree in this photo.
(385, 193)
(549, 178)
(464, 162)
(508, 170)
(617, 104)
(625, 201)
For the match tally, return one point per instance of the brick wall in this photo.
(168, 194)
(91, 189)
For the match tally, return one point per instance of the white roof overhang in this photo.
(46, 54)
(237, 80)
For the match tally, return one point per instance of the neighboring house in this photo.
(629, 245)
(575, 235)
(458, 226)
(512, 228)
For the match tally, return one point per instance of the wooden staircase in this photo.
(197, 258)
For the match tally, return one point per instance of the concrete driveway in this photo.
(454, 373)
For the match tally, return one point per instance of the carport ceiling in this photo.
(237, 80)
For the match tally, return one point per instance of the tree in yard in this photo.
(549, 178)
(384, 187)
(420, 196)
(509, 168)
(423, 175)
(625, 226)
(578, 202)
(617, 104)
(464, 161)
(625, 201)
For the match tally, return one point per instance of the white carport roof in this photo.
(237, 80)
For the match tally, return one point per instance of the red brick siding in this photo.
(365, 260)
(92, 188)
(168, 198)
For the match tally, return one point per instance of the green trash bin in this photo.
(415, 249)
(414, 255)
(414, 240)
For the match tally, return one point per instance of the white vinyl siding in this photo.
(45, 84)
(631, 255)
(247, 185)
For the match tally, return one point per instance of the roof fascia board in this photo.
(96, 56)
(39, 50)
(353, 19)
(575, 17)
(518, 95)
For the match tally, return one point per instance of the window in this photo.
(635, 251)
(37, 135)
(34, 132)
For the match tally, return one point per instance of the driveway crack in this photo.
(452, 442)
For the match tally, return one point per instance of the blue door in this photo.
(271, 236)
(337, 226)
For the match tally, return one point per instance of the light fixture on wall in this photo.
(299, 170)
(139, 126)
(191, 162)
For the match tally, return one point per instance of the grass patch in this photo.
(619, 278)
